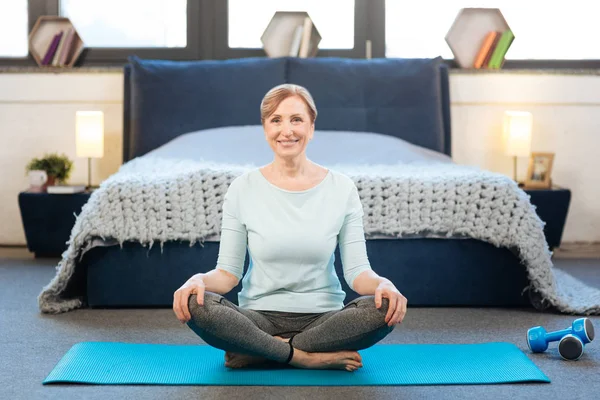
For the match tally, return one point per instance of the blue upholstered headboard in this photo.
(406, 98)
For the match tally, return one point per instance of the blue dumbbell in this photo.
(571, 340)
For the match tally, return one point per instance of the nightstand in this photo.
(48, 220)
(552, 206)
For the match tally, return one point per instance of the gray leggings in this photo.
(224, 325)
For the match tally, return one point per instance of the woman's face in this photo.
(289, 128)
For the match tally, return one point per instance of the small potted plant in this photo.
(58, 168)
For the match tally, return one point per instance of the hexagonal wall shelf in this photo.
(291, 33)
(467, 33)
(54, 42)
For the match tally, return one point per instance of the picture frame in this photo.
(539, 172)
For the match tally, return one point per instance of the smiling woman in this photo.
(288, 115)
(290, 215)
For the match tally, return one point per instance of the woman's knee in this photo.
(368, 303)
(198, 311)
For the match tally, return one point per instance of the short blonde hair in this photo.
(275, 96)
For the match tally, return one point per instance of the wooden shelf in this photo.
(279, 35)
(44, 30)
(468, 31)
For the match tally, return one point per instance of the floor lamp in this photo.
(517, 136)
(89, 128)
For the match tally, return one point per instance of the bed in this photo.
(403, 103)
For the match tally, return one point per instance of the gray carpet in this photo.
(33, 343)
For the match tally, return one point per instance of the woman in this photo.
(291, 214)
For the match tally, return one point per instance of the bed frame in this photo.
(429, 272)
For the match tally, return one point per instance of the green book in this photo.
(501, 49)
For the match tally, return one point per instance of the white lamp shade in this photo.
(517, 133)
(89, 127)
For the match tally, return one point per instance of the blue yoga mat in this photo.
(383, 364)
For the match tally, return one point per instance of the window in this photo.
(128, 23)
(113, 30)
(13, 29)
(547, 34)
(543, 30)
(334, 20)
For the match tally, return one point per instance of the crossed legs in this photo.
(224, 325)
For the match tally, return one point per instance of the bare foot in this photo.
(238, 360)
(347, 360)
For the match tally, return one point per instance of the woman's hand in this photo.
(397, 306)
(194, 285)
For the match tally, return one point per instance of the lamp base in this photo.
(89, 172)
(89, 186)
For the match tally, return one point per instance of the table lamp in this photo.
(89, 128)
(517, 135)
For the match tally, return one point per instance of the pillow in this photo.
(169, 98)
(397, 97)
(246, 145)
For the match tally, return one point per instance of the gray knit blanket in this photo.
(155, 200)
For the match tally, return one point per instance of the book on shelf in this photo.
(296, 41)
(504, 43)
(65, 189)
(305, 44)
(492, 52)
(67, 48)
(52, 48)
(488, 56)
(487, 44)
(59, 49)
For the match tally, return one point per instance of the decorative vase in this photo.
(38, 180)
